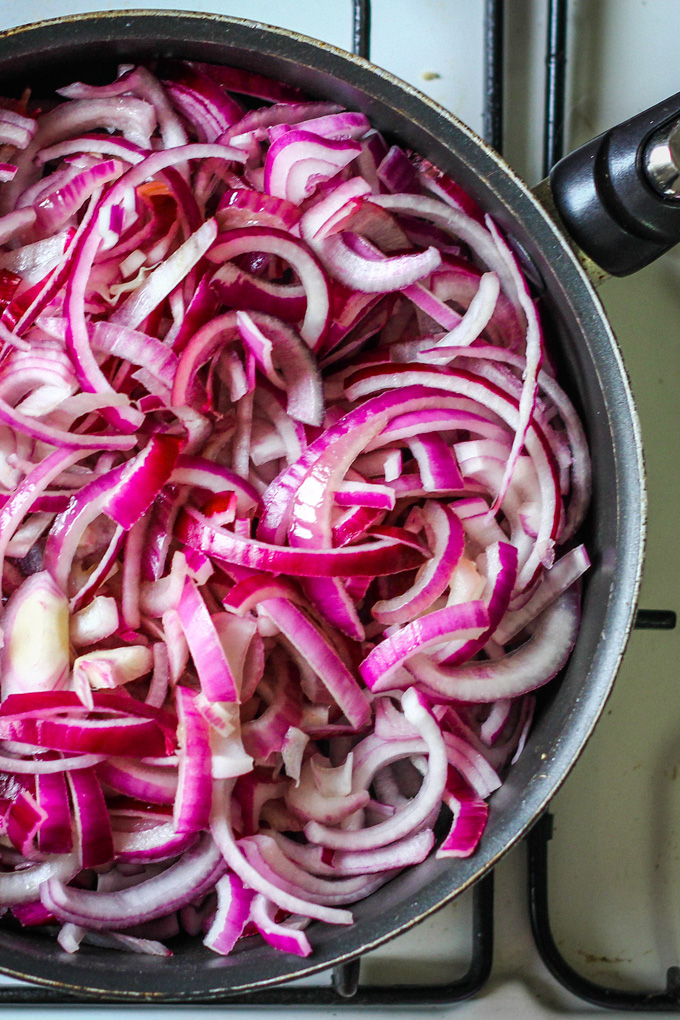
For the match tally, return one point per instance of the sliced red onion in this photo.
(148, 846)
(204, 474)
(277, 348)
(112, 667)
(55, 208)
(304, 262)
(298, 161)
(445, 538)
(233, 913)
(262, 852)
(380, 665)
(208, 108)
(164, 279)
(251, 877)
(280, 936)
(384, 556)
(96, 621)
(193, 874)
(17, 130)
(314, 647)
(194, 786)
(471, 386)
(401, 854)
(501, 572)
(133, 117)
(293, 750)
(118, 737)
(217, 680)
(437, 463)
(404, 822)
(138, 81)
(561, 576)
(55, 836)
(125, 943)
(246, 207)
(24, 885)
(249, 592)
(139, 348)
(249, 83)
(58, 437)
(530, 666)
(311, 803)
(470, 814)
(378, 276)
(340, 125)
(306, 484)
(23, 820)
(95, 842)
(238, 289)
(143, 782)
(21, 766)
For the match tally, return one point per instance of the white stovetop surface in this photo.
(615, 857)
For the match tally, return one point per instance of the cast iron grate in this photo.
(345, 987)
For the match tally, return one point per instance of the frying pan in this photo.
(632, 224)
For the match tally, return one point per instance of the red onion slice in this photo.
(530, 666)
(194, 873)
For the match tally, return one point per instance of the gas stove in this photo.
(603, 888)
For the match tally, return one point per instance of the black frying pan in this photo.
(89, 47)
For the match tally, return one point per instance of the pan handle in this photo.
(618, 196)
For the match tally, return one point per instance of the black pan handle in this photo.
(619, 195)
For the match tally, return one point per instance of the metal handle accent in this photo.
(662, 160)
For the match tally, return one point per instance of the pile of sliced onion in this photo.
(288, 511)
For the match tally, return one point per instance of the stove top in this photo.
(614, 859)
